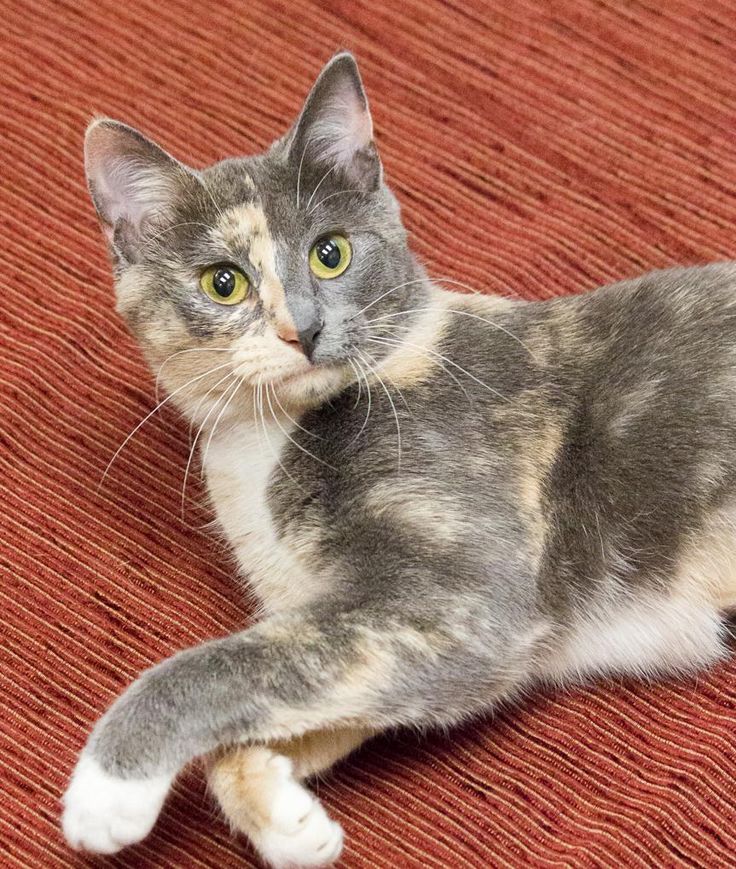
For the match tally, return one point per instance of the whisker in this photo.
(166, 229)
(388, 293)
(202, 401)
(275, 454)
(194, 446)
(339, 193)
(388, 377)
(393, 408)
(299, 171)
(370, 400)
(219, 417)
(289, 437)
(460, 314)
(258, 397)
(359, 382)
(473, 290)
(386, 327)
(179, 353)
(212, 198)
(149, 415)
(328, 172)
(399, 342)
(291, 419)
(449, 362)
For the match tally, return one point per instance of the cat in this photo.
(440, 499)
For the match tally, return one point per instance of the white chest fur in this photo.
(238, 467)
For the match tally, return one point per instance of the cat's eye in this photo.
(330, 256)
(225, 284)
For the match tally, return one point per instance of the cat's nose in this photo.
(308, 337)
(302, 336)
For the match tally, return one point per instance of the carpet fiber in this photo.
(537, 147)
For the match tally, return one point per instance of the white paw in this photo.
(300, 833)
(103, 813)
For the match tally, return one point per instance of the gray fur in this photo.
(463, 620)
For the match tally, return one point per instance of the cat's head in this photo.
(262, 268)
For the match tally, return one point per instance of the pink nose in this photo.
(288, 333)
(303, 340)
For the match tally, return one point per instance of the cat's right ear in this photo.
(335, 128)
(132, 181)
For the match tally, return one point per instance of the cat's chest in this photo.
(238, 467)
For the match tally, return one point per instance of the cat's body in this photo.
(585, 415)
(477, 496)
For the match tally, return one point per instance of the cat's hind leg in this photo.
(260, 792)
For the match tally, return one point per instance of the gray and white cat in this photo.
(440, 500)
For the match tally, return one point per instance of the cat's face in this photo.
(262, 271)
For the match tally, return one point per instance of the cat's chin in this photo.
(310, 386)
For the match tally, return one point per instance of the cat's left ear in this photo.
(133, 182)
(335, 127)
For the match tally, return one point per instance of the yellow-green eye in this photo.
(224, 284)
(330, 256)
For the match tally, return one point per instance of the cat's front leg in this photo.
(287, 676)
(104, 813)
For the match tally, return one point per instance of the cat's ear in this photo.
(132, 181)
(335, 126)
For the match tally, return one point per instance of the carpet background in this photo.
(556, 146)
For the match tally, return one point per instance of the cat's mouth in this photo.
(310, 383)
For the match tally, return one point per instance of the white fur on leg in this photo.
(300, 833)
(104, 813)
(260, 796)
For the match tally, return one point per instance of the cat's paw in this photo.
(300, 832)
(103, 813)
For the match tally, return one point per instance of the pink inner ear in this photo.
(344, 126)
(126, 184)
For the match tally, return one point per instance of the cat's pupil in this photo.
(328, 253)
(224, 282)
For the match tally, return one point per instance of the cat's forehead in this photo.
(242, 225)
(253, 197)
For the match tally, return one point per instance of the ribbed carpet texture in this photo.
(537, 148)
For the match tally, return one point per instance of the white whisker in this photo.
(299, 171)
(460, 314)
(194, 445)
(359, 382)
(339, 193)
(388, 377)
(166, 229)
(370, 400)
(399, 342)
(388, 293)
(149, 415)
(473, 290)
(219, 417)
(212, 198)
(258, 397)
(449, 362)
(287, 435)
(273, 416)
(328, 172)
(393, 408)
(179, 353)
(291, 418)
(195, 412)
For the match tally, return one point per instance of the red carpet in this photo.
(557, 145)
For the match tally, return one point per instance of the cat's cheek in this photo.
(104, 813)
